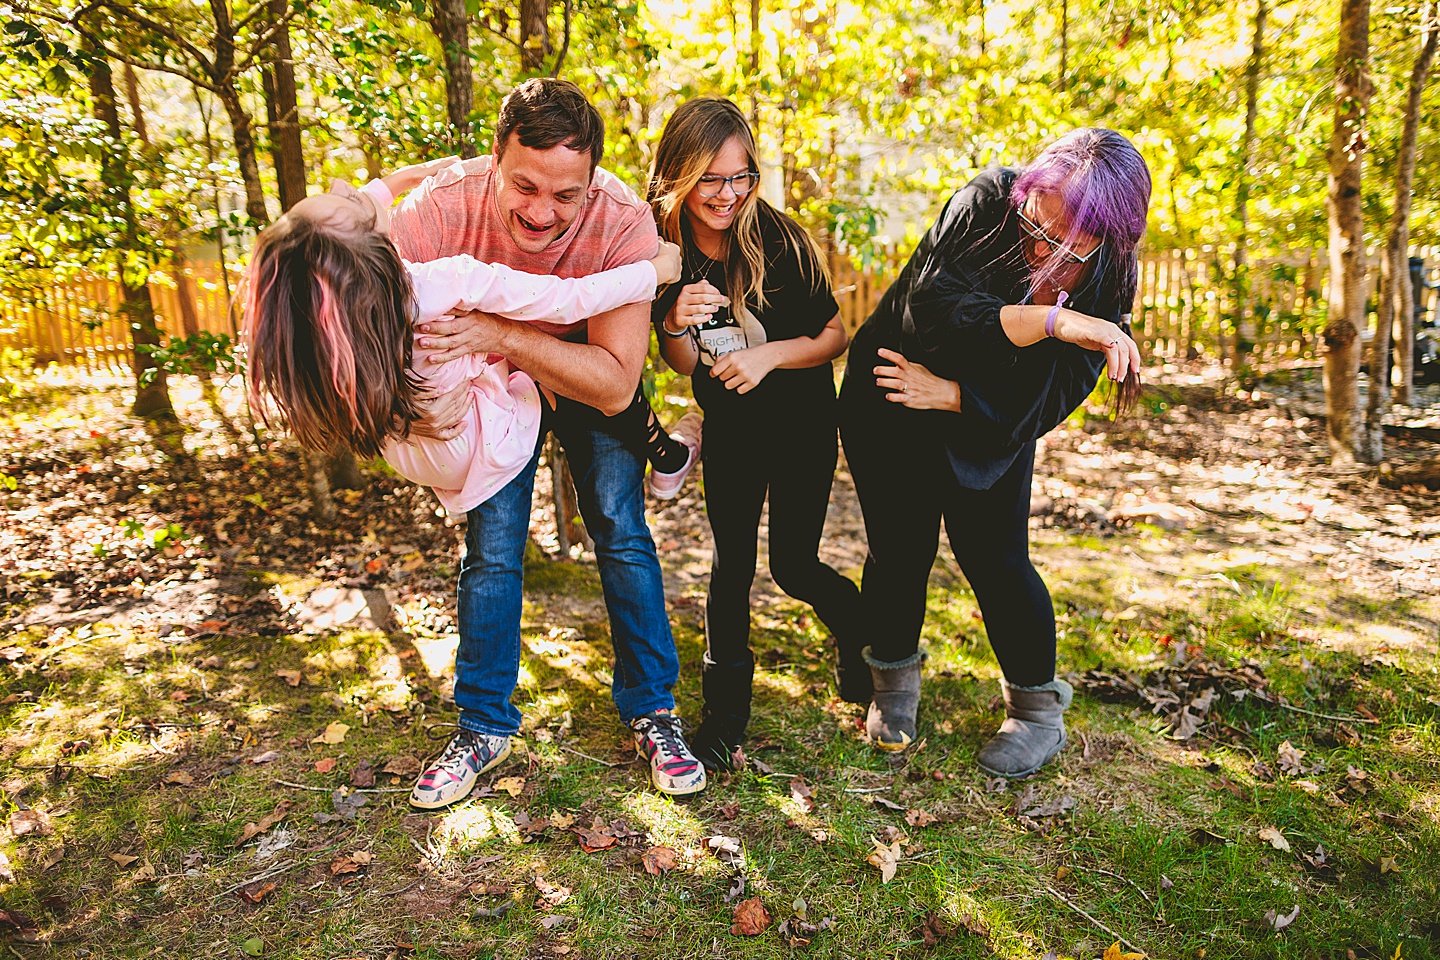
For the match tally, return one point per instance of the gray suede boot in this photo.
(891, 721)
(1033, 731)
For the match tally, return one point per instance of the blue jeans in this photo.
(609, 468)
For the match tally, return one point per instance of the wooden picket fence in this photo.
(1183, 307)
(77, 321)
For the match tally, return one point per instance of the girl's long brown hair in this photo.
(693, 136)
(328, 336)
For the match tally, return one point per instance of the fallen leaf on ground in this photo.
(887, 804)
(495, 912)
(751, 918)
(325, 765)
(251, 830)
(266, 757)
(402, 767)
(1062, 873)
(726, 849)
(885, 859)
(800, 792)
(798, 933)
(935, 928)
(1291, 759)
(553, 920)
(256, 892)
(1113, 952)
(530, 826)
(364, 774)
(16, 920)
(334, 733)
(1388, 865)
(730, 811)
(550, 893)
(273, 843)
(511, 785)
(253, 947)
(30, 823)
(1357, 779)
(1275, 838)
(737, 888)
(291, 677)
(1279, 921)
(180, 696)
(179, 778)
(349, 863)
(144, 874)
(561, 821)
(1050, 808)
(123, 860)
(763, 768)
(595, 837)
(920, 818)
(658, 860)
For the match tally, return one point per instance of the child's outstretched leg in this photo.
(672, 455)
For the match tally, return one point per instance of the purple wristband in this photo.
(1054, 312)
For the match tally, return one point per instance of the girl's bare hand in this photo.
(697, 303)
(913, 385)
(1122, 355)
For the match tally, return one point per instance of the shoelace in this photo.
(463, 742)
(667, 732)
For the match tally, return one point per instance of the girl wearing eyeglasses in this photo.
(1011, 307)
(753, 322)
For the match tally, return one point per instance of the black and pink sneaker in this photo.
(673, 768)
(452, 775)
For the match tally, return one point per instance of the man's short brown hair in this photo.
(544, 113)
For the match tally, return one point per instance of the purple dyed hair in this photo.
(1105, 187)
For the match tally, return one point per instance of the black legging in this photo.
(794, 460)
(906, 485)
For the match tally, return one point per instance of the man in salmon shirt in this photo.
(540, 204)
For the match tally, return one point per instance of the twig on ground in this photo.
(275, 872)
(1138, 888)
(1311, 713)
(71, 646)
(603, 763)
(1061, 897)
(399, 890)
(302, 786)
(866, 789)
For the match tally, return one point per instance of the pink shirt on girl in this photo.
(503, 423)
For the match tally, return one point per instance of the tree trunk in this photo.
(152, 394)
(245, 151)
(1346, 304)
(1244, 316)
(451, 24)
(1404, 299)
(534, 35)
(1064, 43)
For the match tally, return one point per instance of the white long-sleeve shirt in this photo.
(503, 423)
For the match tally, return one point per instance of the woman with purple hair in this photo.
(995, 331)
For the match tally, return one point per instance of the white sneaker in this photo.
(687, 430)
(673, 768)
(452, 775)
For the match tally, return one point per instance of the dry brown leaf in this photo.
(180, 696)
(256, 892)
(596, 837)
(30, 823)
(1113, 952)
(1291, 759)
(291, 677)
(334, 733)
(730, 811)
(801, 792)
(123, 860)
(562, 821)
(349, 863)
(179, 778)
(658, 860)
(511, 785)
(885, 858)
(1062, 873)
(920, 818)
(268, 756)
(252, 830)
(363, 775)
(402, 767)
(550, 893)
(325, 765)
(751, 918)
(1388, 865)
(1278, 921)
(144, 873)
(1275, 838)
(935, 928)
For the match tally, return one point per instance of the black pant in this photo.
(906, 485)
(794, 460)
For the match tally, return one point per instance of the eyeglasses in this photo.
(1037, 233)
(710, 185)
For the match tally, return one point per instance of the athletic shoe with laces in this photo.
(673, 768)
(452, 775)
(666, 486)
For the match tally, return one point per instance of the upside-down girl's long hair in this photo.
(328, 334)
(693, 136)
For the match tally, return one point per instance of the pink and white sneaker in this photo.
(687, 430)
(673, 768)
(452, 775)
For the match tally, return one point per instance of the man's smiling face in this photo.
(540, 192)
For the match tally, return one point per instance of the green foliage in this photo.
(199, 353)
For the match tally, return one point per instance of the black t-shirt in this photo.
(944, 311)
(798, 304)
